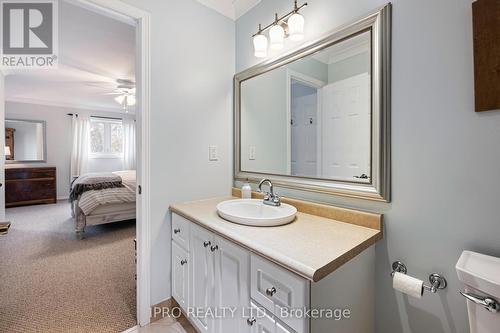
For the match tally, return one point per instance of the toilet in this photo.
(480, 275)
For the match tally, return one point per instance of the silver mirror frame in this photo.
(44, 125)
(379, 22)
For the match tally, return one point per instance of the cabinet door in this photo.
(232, 286)
(201, 277)
(180, 275)
(280, 328)
(261, 321)
(180, 230)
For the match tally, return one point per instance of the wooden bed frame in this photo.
(121, 212)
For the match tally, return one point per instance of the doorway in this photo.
(122, 11)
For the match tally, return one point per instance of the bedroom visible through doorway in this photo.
(72, 148)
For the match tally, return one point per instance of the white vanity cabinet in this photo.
(218, 280)
(211, 274)
(180, 275)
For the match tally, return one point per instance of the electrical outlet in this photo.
(251, 155)
(212, 153)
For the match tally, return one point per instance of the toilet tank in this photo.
(480, 275)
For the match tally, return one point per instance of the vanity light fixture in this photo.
(289, 25)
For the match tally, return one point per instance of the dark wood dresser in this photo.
(30, 186)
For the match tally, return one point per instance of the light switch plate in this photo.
(251, 153)
(212, 153)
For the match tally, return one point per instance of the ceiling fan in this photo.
(125, 91)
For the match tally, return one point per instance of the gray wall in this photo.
(263, 110)
(446, 158)
(192, 66)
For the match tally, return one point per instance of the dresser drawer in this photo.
(279, 291)
(180, 231)
(29, 173)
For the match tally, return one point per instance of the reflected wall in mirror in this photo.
(311, 117)
(318, 118)
(24, 141)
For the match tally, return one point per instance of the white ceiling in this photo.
(230, 8)
(94, 51)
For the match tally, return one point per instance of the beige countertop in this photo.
(312, 246)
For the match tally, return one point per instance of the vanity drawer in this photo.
(279, 290)
(180, 231)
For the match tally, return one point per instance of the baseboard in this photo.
(62, 198)
(169, 303)
(165, 307)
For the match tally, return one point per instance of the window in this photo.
(106, 138)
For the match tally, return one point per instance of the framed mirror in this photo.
(318, 118)
(25, 141)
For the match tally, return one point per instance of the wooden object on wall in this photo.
(30, 186)
(486, 26)
(9, 142)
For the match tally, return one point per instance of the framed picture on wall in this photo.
(486, 30)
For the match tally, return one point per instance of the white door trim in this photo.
(143, 78)
(310, 81)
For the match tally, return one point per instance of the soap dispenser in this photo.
(246, 191)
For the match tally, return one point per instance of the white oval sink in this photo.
(255, 213)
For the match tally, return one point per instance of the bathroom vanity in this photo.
(316, 120)
(323, 262)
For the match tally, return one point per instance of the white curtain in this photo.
(81, 142)
(129, 147)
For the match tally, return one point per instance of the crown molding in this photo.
(66, 105)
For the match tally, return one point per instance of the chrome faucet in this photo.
(270, 198)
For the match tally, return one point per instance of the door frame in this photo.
(3, 73)
(312, 82)
(142, 19)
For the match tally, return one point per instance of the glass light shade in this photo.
(276, 34)
(131, 100)
(296, 27)
(119, 99)
(260, 46)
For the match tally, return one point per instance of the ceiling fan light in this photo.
(131, 100)
(296, 27)
(276, 35)
(119, 99)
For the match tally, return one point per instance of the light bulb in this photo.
(276, 35)
(131, 100)
(119, 99)
(296, 27)
(260, 45)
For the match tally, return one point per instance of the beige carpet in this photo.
(52, 282)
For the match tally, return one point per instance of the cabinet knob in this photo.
(251, 321)
(176, 231)
(214, 247)
(270, 291)
(206, 243)
(183, 262)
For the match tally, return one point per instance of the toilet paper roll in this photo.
(408, 284)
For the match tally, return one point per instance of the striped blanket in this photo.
(90, 200)
(94, 181)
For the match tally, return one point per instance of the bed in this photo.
(110, 198)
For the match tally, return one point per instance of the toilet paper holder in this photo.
(437, 281)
